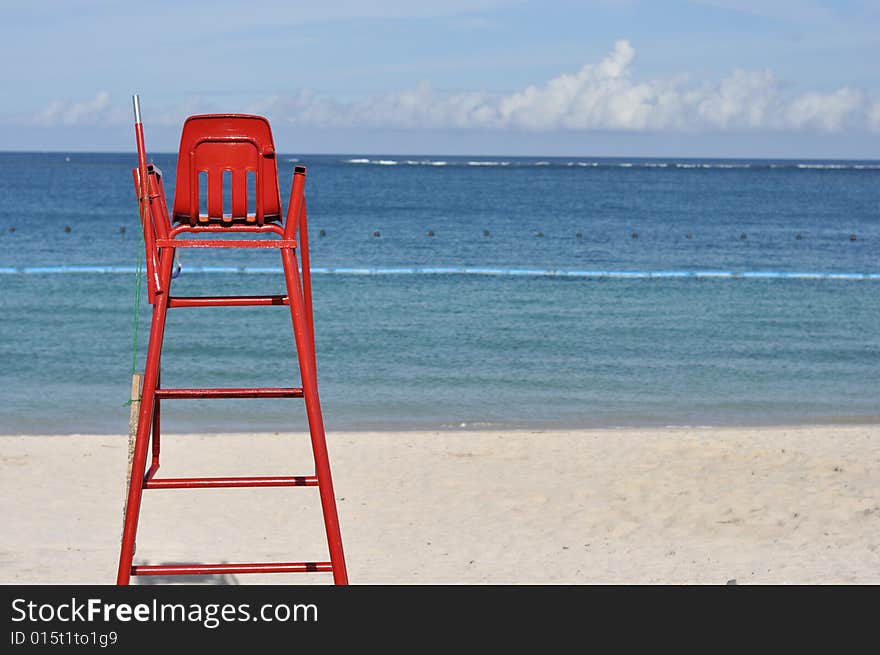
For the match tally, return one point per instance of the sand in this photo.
(672, 505)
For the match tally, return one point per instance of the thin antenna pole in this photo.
(146, 217)
(136, 102)
(141, 148)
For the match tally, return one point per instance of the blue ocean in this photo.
(463, 292)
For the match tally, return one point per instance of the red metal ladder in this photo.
(242, 145)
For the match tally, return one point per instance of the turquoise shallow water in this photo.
(414, 350)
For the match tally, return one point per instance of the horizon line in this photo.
(435, 154)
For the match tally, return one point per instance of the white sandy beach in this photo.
(671, 505)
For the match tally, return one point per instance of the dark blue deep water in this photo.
(402, 347)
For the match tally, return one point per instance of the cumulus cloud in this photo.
(103, 110)
(94, 111)
(826, 111)
(600, 96)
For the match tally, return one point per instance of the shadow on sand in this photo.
(219, 579)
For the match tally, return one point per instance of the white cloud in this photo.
(826, 111)
(601, 96)
(94, 111)
(744, 100)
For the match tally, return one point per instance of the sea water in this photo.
(509, 292)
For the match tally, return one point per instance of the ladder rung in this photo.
(207, 569)
(226, 301)
(256, 392)
(226, 243)
(208, 483)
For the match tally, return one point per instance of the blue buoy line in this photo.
(461, 270)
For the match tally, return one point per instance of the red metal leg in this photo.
(302, 236)
(151, 375)
(157, 420)
(305, 349)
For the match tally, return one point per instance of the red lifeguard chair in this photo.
(241, 145)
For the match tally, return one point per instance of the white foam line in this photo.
(460, 270)
(683, 165)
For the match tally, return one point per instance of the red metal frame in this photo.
(227, 301)
(240, 144)
(213, 569)
(213, 483)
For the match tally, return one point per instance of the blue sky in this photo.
(790, 78)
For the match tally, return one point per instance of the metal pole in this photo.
(145, 419)
(154, 287)
(305, 350)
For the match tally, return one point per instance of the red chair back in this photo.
(213, 144)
